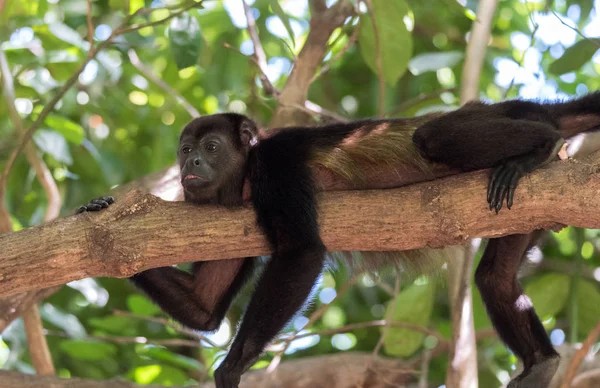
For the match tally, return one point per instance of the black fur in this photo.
(513, 138)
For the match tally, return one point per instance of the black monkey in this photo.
(220, 155)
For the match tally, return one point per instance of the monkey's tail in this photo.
(578, 115)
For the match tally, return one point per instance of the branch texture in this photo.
(142, 231)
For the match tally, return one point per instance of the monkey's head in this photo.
(212, 156)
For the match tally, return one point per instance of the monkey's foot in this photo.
(227, 377)
(538, 376)
(502, 184)
(96, 204)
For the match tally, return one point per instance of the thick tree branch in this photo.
(332, 371)
(131, 235)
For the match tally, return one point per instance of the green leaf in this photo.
(72, 131)
(575, 56)
(395, 40)
(162, 354)
(413, 305)
(549, 293)
(53, 143)
(434, 61)
(112, 324)
(135, 5)
(119, 5)
(588, 299)
(277, 10)
(88, 351)
(158, 374)
(185, 39)
(138, 304)
(67, 34)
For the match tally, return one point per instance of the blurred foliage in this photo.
(116, 125)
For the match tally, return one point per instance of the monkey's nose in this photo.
(197, 161)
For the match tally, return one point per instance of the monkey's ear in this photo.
(248, 133)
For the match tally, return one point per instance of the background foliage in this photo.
(117, 124)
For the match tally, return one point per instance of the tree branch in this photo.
(131, 236)
(322, 24)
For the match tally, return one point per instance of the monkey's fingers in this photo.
(497, 186)
(101, 202)
(512, 187)
(508, 184)
(490, 188)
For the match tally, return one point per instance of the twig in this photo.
(135, 61)
(593, 41)
(418, 99)
(308, 107)
(343, 51)
(379, 59)
(425, 369)
(268, 87)
(580, 355)
(173, 325)
(377, 323)
(90, 25)
(38, 347)
(129, 340)
(259, 52)
(120, 30)
(476, 49)
(135, 27)
(388, 321)
(318, 313)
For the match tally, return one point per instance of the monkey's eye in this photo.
(186, 150)
(211, 147)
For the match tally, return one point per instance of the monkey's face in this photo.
(212, 154)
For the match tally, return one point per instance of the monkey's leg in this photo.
(511, 310)
(282, 290)
(198, 301)
(468, 142)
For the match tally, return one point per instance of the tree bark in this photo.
(142, 231)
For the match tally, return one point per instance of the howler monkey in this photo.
(221, 154)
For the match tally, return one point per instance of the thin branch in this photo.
(135, 27)
(417, 100)
(268, 87)
(388, 321)
(135, 61)
(378, 323)
(129, 340)
(318, 313)
(580, 355)
(38, 346)
(171, 324)
(596, 42)
(343, 51)
(90, 25)
(120, 30)
(378, 59)
(259, 53)
(476, 49)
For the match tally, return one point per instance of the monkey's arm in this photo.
(284, 200)
(199, 300)
(468, 141)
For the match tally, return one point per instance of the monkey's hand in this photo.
(96, 204)
(502, 184)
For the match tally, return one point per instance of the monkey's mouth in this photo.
(192, 176)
